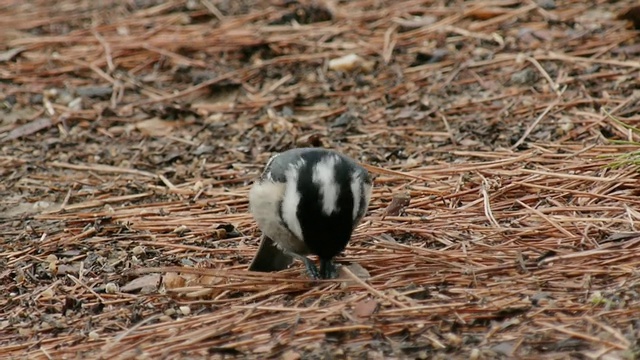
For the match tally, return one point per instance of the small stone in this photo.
(138, 250)
(53, 267)
(565, 125)
(47, 294)
(75, 104)
(41, 205)
(290, 355)
(185, 310)
(524, 77)
(111, 288)
(170, 312)
(351, 62)
(181, 230)
(547, 4)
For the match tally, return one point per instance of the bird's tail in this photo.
(269, 257)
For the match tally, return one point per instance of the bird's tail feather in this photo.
(269, 257)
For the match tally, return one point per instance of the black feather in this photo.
(325, 235)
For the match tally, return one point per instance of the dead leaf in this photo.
(155, 127)
(173, 280)
(28, 129)
(356, 269)
(147, 281)
(452, 339)
(351, 62)
(486, 13)
(11, 53)
(509, 322)
(263, 349)
(67, 269)
(364, 309)
(398, 203)
(290, 355)
(416, 21)
(505, 348)
(210, 280)
(468, 142)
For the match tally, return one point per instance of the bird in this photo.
(307, 201)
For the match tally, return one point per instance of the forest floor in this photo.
(131, 131)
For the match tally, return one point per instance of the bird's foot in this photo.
(328, 269)
(311, 268)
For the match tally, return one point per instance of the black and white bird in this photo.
(307, 201)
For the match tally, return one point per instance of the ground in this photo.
(131, 132)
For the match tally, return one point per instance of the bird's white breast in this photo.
(264, 201)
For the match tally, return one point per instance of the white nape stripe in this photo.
(356, 184)
(291, 200)
(324, 175)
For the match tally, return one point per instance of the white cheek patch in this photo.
(291, 200)
(324, 175)
(356, 185)
(367, 197)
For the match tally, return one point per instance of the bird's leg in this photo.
(311, 268)
(327, 269)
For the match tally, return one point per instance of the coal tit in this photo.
(307, 201)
